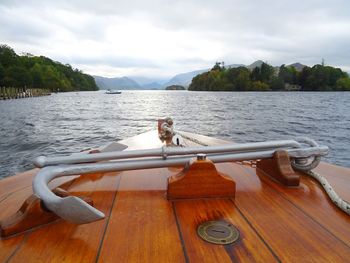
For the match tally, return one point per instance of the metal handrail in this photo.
(43, 161)
(77, 211)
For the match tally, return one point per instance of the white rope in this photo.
(336, 199)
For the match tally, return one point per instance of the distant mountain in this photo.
(255, 64)
(298, 66)
(183, 79)
(142, 81)
(126, 83)
(235, 66)
(152, 85)
(116, 83)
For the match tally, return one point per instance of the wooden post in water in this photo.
(4, 92)
(7, 93)
(10, 92)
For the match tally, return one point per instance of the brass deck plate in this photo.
(218, 232)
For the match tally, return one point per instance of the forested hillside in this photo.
(40, 72)
(266, 77)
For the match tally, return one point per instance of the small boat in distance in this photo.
(113, 92)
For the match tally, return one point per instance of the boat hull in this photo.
(276, 223)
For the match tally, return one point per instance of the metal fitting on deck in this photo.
(201, 156)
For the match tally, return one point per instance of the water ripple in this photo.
(66, 123)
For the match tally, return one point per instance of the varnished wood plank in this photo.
(145, 180)
(13, 201)
(249, 247)
(292, 234)
(14, 183)
(338, 177)
(142, 227)
(312, 200)
(8, 247)
(63, 241)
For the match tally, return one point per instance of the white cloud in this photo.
(162, 38)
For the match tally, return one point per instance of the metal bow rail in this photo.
(74, 209)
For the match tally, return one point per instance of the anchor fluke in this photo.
(75, 210)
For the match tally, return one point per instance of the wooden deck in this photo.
(276, 224)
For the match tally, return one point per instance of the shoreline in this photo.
(21, 93)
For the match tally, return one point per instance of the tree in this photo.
(37, 76)
(277, 83)
(2, 74)
(213, 80)
(40, 72)
(320, 78)
(343, 84)
(239, 78)
(264, 78)
(256, 74)
(266, 72)
(259, 86)
(303, 76)
(51, 78)
(218, 66)
(288, 74)
(17, 76)
(242, 81)
(7, 56)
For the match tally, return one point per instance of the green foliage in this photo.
(2, 74)
(288, 74)
(239, 78)
(8, 56)
(37, 75)
(320, 78)
(40, 72)
(17, 76)
(260, 86)
(277, 83)
(264, 78)
(263, 73)
(175, 87)
(218, 66)
(343, 84)
(212, 81)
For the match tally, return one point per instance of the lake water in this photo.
(69, 122)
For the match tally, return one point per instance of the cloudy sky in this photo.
(160, 38)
